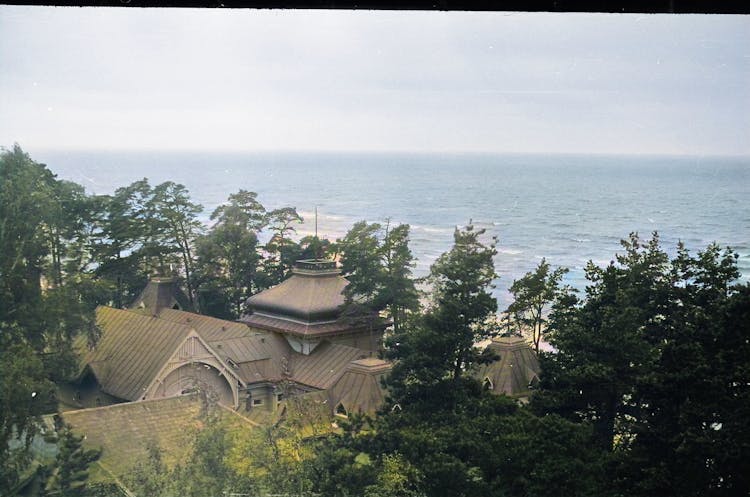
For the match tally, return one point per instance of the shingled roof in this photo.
(124, 431)
(312, 294)
(515, 370)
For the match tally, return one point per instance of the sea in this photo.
(569, 209)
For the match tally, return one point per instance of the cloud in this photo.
(343, 80)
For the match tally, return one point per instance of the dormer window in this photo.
(341, 411)
(487, 384)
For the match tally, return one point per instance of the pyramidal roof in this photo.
(360, 388)
(516, 370)
(313, 294)
(162, 293)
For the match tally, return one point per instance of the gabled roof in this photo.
(134, 347)
(514, 371)
(324, 365)
(161, 293)
(208, 327)
(132, 350)
(312, 294)
(360, 388)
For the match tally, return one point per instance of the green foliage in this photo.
(378, 263)
(40, 304)
(606, 345)
(653, 361)
(179, 226)
(228, 255)
(26, 194)
(282, 251)
(70, 474)
(532, 294)
(232, 265)
(441, 344)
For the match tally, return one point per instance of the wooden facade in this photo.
(296, 335)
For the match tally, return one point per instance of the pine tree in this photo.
(70, 475)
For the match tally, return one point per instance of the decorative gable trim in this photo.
(194, 349)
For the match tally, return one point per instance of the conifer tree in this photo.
(70, 475)
(533, 293)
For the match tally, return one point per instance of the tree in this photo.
(280, 248)
(695, 404)
(122, 222)
(462, 279)
(26, 194)
(434, 351)
(606, 343)
(31, 351)
(228, 256)
(533, 293)
(378, 262)
(70, 474)
(399, 293)
(150, 476)
(178, 215)
(361, 264)
(653, 361)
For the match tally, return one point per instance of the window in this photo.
(257, 402)
(341, 410)
(487, 384)
(279, 397)
(534, 383)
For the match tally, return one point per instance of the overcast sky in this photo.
(373, 81)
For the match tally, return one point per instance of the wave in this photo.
(507, 251)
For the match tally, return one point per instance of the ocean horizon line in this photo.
(395, 152)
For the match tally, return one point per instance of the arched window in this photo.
(487, 384)
(341, 410)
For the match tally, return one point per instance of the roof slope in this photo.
(132, 350)
(359, 388)
(516, 368)
(209, 328)
(124, 431)
(160, 293)
(324, 365)
(308, 295)
(272, 323)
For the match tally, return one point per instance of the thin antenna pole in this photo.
(317, 240)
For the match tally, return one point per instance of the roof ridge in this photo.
(132, 403)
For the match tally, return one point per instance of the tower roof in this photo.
(313, 294)
(162, 293)
(516, 369)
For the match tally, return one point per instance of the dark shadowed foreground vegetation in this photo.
(647, 392)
